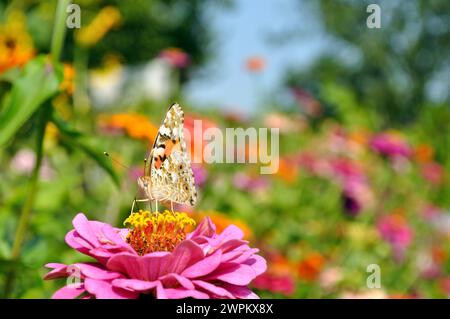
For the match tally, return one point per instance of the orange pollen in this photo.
(151, 232)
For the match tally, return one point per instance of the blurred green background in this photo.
(364, 133)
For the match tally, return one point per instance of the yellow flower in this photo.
(16, 45)
(105, 20)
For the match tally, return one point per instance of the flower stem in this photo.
(59, 29)
(31, 194)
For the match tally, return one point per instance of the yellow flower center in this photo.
(150, 232)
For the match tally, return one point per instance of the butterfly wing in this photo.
(171, 174)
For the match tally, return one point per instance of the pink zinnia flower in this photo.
(395, 230)
(155, 256)
(391, 145)
(176, 57)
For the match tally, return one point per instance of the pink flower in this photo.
(395, 230)
(246, 182)
(283, 284)
(176, 57)
(390, 145)
(433, 172)
(168, 264)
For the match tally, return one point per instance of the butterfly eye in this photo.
(181, 167)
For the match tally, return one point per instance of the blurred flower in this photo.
(24, 160)
(330, 277)
(156, 256)
(136, 126)
(16, 45)
(310, 267)
(391, 144)
(200, 174)
(429, 263)
(108, 18)
(439, 219)
(222, 221)
(175, 57)
(444, 284)
(424, 153)
(255, 64)
(395, 230)
(287, 171)
(247, 182)
(68, 83)
(367, 294)
(309, 105)
(284, 285)
(286, 124)
(105, 83)
(279, 275)
(433, 172)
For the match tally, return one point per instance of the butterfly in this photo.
(170, 176)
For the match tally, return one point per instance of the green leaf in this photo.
(38, 82)
(89, 145)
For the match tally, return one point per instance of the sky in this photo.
(249, 29)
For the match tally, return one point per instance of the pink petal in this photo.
(153, 265)
(258, 264)
(204, 266)
(95, 271)
(74, 240)
(184, 255)
(179, 293)
(68, 292)
(104, 290)
(229, 233)
(135, 284)
(240, 292)
(236, 274)
(160, 291)
(84, 227)
(174, 280)
(215, 290)
(205, 228)
(125, 263)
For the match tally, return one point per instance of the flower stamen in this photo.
(151, 232)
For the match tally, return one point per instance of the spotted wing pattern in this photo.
(171, 177)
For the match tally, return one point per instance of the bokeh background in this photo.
(363, 116)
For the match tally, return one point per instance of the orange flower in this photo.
(68, 82)
(135, 125)
(222, 221)
(16, 45)
(255, 64)
(424, 153)
(287, 171)
(310, 267)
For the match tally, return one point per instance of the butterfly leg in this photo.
(156, 204)
(171, 206)
(136, 201)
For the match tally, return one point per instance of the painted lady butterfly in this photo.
(170, 176)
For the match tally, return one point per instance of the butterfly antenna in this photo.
(114, 160)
